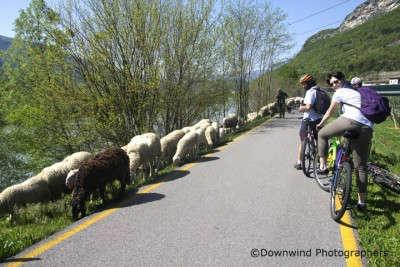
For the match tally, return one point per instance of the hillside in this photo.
(373, 46)
(5, 42)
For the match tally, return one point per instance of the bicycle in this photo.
(384, 178)
(308, 149)
(324, 180)
(340, 186)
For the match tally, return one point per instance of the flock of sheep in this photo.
(82, 173)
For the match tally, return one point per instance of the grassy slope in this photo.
(369, 47)
(379, 229)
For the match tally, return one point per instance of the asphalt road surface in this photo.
(246, 198)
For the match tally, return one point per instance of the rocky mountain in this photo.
(367, 10)
(361, 14)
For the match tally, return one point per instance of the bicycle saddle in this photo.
(351, 134)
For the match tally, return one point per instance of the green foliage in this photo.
(372, 46)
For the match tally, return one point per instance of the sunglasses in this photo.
(334, 82)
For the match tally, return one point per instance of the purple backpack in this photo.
(373, 106)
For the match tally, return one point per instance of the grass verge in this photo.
(35, 222)
(379, 228)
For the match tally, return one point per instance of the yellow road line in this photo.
(57, 240)
(349, 240)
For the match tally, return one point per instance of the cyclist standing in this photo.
(352, 119)
(281, 102)
(310, 98)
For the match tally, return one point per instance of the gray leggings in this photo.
(360, 146)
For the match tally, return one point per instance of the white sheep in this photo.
(202, 123)
(32, 190)
(264, 111)
(216, 127)
(272, 107)
(139, 155)
(56, 174)
(187, 148)
(186, 129)
(146, 151)
(168, 145)
(252, 116)
(211, 136)
(202, 140)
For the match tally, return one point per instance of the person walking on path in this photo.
(281, 102)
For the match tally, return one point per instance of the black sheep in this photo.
(107, 166)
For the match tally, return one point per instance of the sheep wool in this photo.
(56, 174)
(211, 136)
(186, 147)
(32, 190)
(169, 143)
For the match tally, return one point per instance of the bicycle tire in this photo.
(384, 178)
(340, 192)
(323, 181)
(307, 156)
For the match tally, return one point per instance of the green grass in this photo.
(35, 222)
(379, 228)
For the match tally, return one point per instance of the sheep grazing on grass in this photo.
(109, 165)
(202, 124)
(70, 180)
(251, 116)
(168, 145)
(186, 129)
(56, 174)
(32, 190)
(272, 107)
(202, 140)
(216, 127)
(264, 111)
(144, 151)
(187, 148)
(230, 122)
(211, 136)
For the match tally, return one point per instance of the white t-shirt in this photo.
(350, 96)
(310, 98)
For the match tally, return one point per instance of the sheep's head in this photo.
(176, 160)
(78, 202)
(78, 197)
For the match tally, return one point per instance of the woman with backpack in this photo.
(351, 119)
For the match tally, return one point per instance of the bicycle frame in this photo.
(342, 155)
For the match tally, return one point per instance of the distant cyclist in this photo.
(310, 98)
(281, 102)
(351, 119)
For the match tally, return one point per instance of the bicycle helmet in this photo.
(306, 78)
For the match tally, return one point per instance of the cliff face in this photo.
(361, 14)
(367, 10)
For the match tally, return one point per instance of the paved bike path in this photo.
(246, 196)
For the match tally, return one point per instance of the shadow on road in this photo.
(206, 159)
(19, 260)
(141, 198)
(171, 176)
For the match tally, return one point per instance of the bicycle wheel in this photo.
(323, 180)
(340, 191)
(307, 156)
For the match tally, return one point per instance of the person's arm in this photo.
(328, 113)
(306, 107)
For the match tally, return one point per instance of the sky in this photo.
(295, 10)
